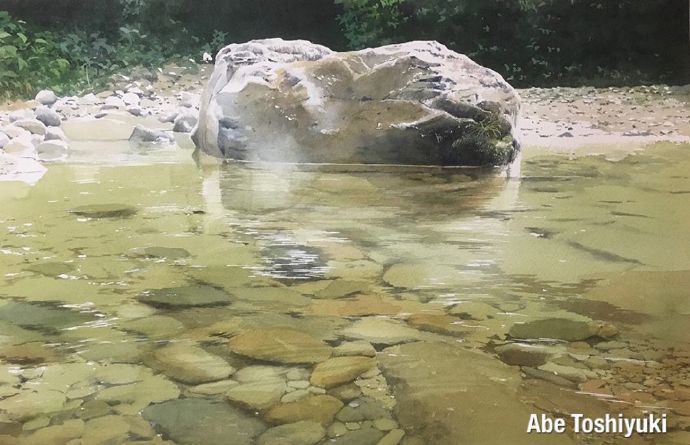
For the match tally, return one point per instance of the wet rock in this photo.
(57, 434)
(143, 135)
(555, 328)
(100, 211)
(473, 310)
(168, 253)
(121, 374)
(385, 424)
(214, 388)
(257, 395)
(448, 395)
(392, 438)
(139, 395)
(198, 421)
(52, 150)
(93, 409)
(342, 288)
(295, 395)
(185, 296)
(259, 373)
(573, 374)
(107, 429)
(48, 116)
(346, 392)
(438, 324)
(155, 327)
(548, 377)
(51, 269)
(298, 433)
(46, 317)
(34, 126)
(339, 370)
(364, 436)
(517, 354)
(354, 348)
(191, 364)
(321, 409)
(46, 97)
(280, 346)
(379, 331)
(363, 409)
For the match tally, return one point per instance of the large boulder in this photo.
(410, 103)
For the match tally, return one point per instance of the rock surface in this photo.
(411, 103)
(281, 346)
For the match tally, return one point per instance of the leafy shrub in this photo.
(29, 60)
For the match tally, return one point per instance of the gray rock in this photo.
(185, 296)
(365, 436)
(134, 110)
(113, 102)
(555, 328)
(55, 134)
(42, 316)
(143, 135)
(199, 421)
(168, 118)
(517, 354)
(416, 103)
(298, 433)
(105, 211)
(362, 409)
(34, 126)
(185, 121)
(46, 97)
(48, 116)
(21, 146)
(4, 140)
(191, 364)
(257, 395)
(52, 150)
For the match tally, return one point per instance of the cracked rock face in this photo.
(415, 103)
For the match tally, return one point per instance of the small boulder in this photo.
(113, 102)
(55, 134)
(52, 150)
(4, 140)
(143, 135)
(185, 121)
(298, 433)
(34, 126)
(49, 117)
(46, 97)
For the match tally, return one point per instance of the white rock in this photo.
(46, 97)
(22, 114)
(4, 140)
(113, 102)
(15, 132)
(22, 147)
(89, 99)
(130, 99)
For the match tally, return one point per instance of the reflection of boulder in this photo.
(412, 103)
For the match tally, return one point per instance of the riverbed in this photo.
(149, 298)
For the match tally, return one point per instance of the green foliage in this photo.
(541, 42)
(29, 59)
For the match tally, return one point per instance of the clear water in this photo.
(607, 240)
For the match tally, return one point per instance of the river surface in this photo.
(147, 299)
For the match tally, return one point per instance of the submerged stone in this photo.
(186, 296)
(298, 433)
(339, 370)
(99, 211)
(199, 421)
(380, 332)
(321, 409)
(555, 328)
(42, 316)
(191, 364)
(51, 269)
(281, 346)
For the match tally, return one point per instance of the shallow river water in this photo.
(146, 299)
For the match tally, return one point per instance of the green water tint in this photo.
(105, 265)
